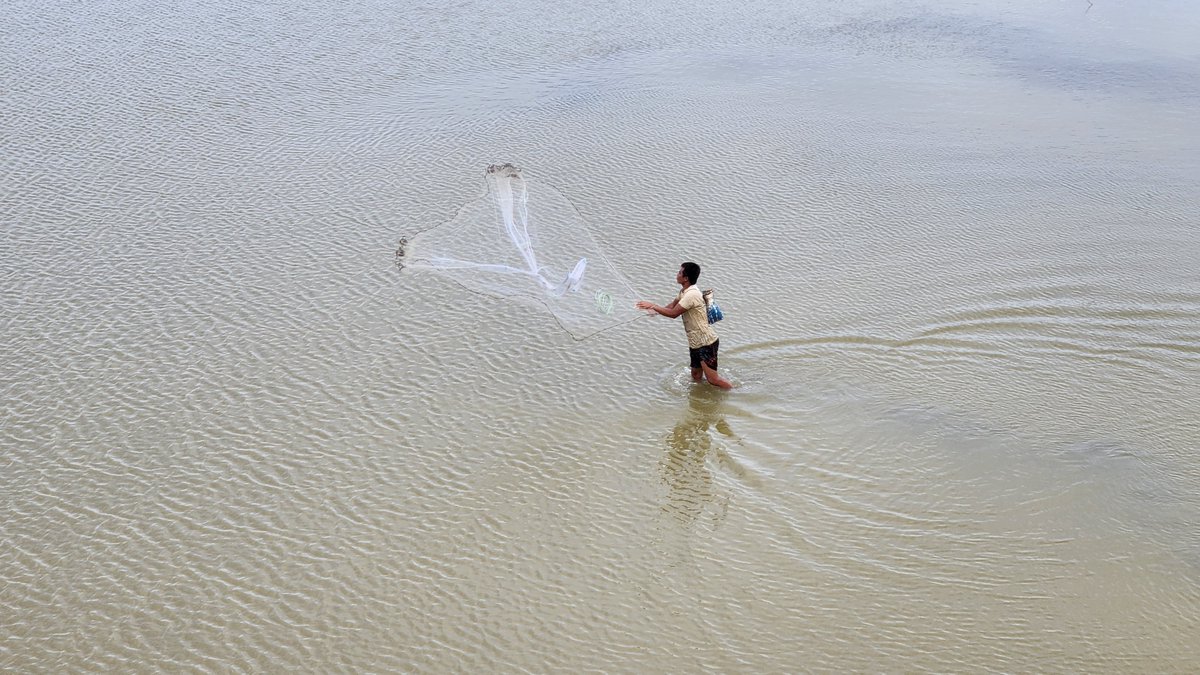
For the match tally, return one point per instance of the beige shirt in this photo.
(695, 318)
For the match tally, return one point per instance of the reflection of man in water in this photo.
(685, 467)
(702, 339)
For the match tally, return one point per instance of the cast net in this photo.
(525, 242)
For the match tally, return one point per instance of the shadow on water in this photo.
(699, 436)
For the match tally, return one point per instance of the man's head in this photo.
(688, 271)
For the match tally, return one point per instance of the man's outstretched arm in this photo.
(671, 311)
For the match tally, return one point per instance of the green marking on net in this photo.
(604, 302)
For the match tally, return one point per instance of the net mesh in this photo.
(525, 242)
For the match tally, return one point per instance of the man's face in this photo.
(679, 278)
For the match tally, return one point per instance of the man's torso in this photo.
(695, 318)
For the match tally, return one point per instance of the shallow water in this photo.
(956, 246)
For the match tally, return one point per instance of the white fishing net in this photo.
(526, 242)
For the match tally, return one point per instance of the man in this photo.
(702, 340)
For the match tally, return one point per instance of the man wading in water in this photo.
(702, 340)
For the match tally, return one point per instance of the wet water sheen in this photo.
(956, 246)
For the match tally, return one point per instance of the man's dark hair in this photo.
(692, 271)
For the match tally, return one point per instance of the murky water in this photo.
(956, 245)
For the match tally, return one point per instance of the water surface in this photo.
(956, 246)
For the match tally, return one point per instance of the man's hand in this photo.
(671, 311)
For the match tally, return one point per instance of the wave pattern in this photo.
(962, 326)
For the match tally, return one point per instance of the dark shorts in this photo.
(706, 354)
